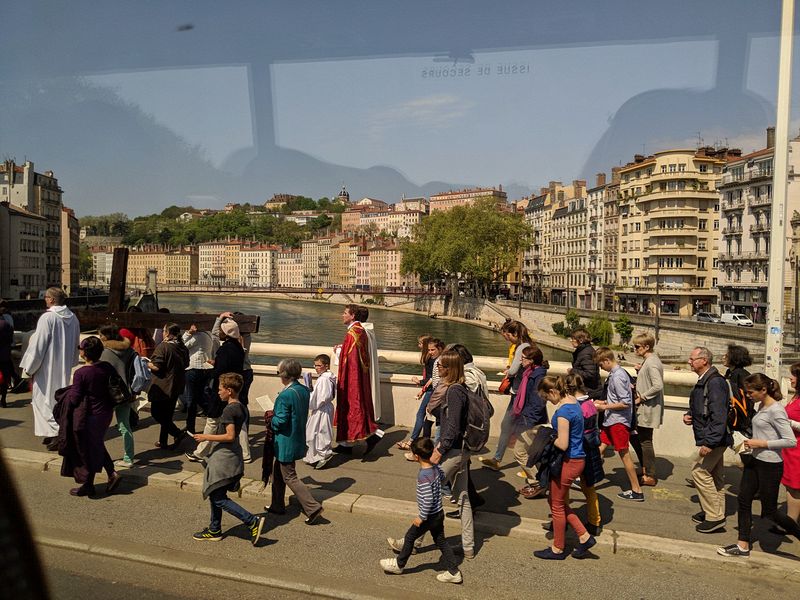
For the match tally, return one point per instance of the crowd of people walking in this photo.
(555, 447)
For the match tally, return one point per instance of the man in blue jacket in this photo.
(708, 416)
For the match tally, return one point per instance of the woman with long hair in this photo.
(424, 393)
(530, 413)
(568, 426)
(763, 468)
(516, 333)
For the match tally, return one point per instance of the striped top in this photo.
(429, 491)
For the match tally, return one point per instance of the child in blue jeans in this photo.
(431, 516)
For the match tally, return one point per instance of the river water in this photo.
(320, 324)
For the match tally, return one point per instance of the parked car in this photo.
(707, 317)
(736, 319)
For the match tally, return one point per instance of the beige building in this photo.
(746, 192)
(344, 263)
(568, 275)
(181, 267)
(398, 224)
(533, 267)
(610, 242)
(451, 199)
(39, 194)
(257, 266)
(395, 279)
(362, 270)
(211, 257)
(70, 250)
(289, 268)
(421, 204)
(23, 268)
(669, 228)
(141, 261)
(378, 263)
(595, 207)
(232, 248)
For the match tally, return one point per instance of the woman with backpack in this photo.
(118, 353)
(736, 359)
(86, 415)
(568, 428)
(763, 467)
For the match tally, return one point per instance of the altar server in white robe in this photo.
(49, 359)
(319, 429)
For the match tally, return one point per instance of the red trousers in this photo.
(559, 502)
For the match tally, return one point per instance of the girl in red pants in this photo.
(568, 425)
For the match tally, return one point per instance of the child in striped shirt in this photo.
(431, 516)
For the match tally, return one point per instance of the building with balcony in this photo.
(746, 192)
(668, 231)
(257, 266)
(568, 274)
(70, 250)
(211, 259)
(141, 261)
(289, 268)
(610, 241)
(181, 267)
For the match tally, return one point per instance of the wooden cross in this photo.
(116, 315)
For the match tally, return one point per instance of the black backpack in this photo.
(479, 418)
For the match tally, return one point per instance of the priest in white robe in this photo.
(50, 357)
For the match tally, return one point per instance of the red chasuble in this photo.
(355, 416)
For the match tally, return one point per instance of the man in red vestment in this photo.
(355, 415)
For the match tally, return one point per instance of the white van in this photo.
(736, 319)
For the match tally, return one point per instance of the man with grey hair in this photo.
(708, 416)
(49, 359)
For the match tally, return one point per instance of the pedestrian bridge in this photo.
(399, 403)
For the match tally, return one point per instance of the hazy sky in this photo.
(163, 129)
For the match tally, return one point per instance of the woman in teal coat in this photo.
(289, 425)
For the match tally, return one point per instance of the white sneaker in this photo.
(389, 565)
(446, 577)
(322, 462)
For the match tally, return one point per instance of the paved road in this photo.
(385, 473)
(341, 553)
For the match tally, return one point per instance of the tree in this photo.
(476, 243)
(624, 329)
(85, 269)
(601, 330)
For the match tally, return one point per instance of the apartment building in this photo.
(532, 263)
(211, 257)
(595, 206)
(102, 264)
(70, 250)
(344, 263)
(610, 243)
(451, 199)
(378, 265)
(669, 228)
(362, 270)
(568, 225)
(289, 268)
(23, 268)
(141, 261)
(257, 266)
(746, 192)
(181, 267)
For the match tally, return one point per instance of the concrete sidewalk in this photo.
(383, 483)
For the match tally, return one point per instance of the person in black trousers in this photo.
(168, 364)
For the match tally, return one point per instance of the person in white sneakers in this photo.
(430, 518)
(319, 428)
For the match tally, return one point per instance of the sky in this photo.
(221, 112)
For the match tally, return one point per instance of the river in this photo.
(320, 324)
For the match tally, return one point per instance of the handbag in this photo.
(505, 385)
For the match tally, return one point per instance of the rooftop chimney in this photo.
(601, 179)
(770, 137)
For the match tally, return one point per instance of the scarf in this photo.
(519, 399)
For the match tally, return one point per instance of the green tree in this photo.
(477, 243)
(601, 330)
(572, 320)
(624, 329)
(84, 263)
